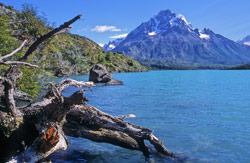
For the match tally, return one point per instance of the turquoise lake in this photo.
(202, 114)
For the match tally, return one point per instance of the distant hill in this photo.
(65, 54)
(168, 41)
(240, 67)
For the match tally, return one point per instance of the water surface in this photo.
(205, 115)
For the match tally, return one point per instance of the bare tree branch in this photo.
(19, 63)
(88, 122)
(34, 46)
(9, 96)
(63, 31)
(69, 82)
(14, 52)
(126, 116)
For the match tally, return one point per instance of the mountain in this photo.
(168, 41)
(63, 55)
(245, 41)
(112, 44)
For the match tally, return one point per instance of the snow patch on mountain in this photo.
(152, 33)
(180, 16)
(112, 44)
(247, 43)
(181, 22)
(203, 35)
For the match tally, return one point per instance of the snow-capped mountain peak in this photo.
(112, 44)
(159, 23)
(168, 40)
(166, 19)
(245, 41)
(180, 16)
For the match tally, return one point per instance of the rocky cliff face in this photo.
(167, 40)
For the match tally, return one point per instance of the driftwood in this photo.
(31, 133)
(88, 122)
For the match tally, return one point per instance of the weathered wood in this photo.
(126, 116)
(38, 118)
(88, 122)
(32, 119)
(22, 96)
(14, 52)
(51, 140)
(69, 82)
(18, 63)
(34, 46)
(9, 96)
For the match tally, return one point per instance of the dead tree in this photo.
(31, 133)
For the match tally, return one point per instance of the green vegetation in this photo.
(7, 42)
(28, 82)
(63, 55)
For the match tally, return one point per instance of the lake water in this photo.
(204, 115)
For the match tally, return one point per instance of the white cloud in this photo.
(119, 36)
(100, 44)
(104, 28)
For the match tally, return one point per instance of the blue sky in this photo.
(103, 19)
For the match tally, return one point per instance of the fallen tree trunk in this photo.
(37, 131)
(31, 133)
(88, 122)
(42, 127)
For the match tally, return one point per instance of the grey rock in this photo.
(114, 82)
(99, 74)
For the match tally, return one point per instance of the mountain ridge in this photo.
(170, 41)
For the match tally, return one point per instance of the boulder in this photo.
(99, 74)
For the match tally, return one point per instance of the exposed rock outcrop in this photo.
(99, 74)
(114, 82)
